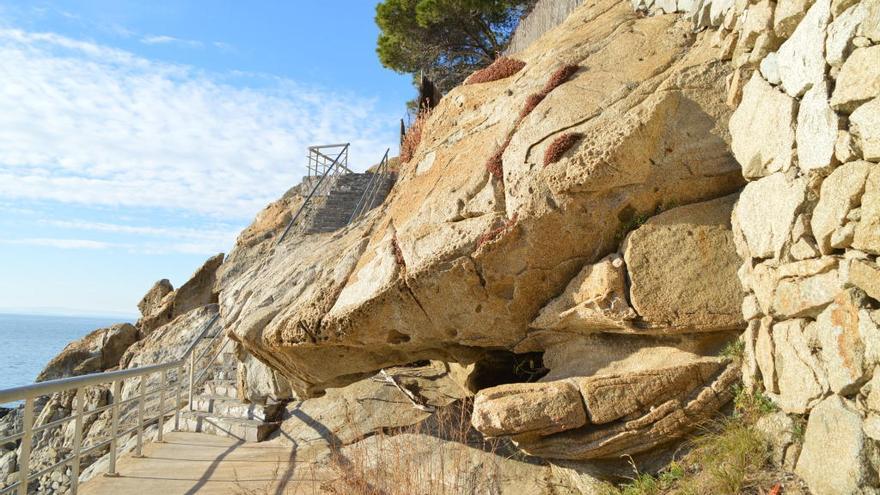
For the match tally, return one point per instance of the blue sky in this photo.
(138, 138)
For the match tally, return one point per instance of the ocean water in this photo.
(28, 342)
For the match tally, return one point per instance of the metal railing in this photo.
(320, 162)
(174, 377)
(368, 198)
(322, 186)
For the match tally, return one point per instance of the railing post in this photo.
(78, 400)
(178, 385)
(142, 395)
(192, 367)
(24, 455)
(162, 405)
(114, 428)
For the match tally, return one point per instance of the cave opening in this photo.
(502, 367)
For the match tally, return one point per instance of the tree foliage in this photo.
(447, 39)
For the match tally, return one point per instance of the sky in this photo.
(138, 138)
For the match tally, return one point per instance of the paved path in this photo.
(188, 463)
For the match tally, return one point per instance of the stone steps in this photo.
(334, 210)
(247, 430)
(221, 388)
(226, 407)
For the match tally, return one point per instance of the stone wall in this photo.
(806, 131)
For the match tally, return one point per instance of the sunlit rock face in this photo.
(648, 100)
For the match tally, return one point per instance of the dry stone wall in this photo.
(806, 88)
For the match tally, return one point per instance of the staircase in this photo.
(334, 211)
(337, 196)
(217, 410)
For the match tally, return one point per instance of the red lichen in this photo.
(559, 146)
(494, 164)
(531, 102)
(413, 137)
(560, 76)
(495, 233)
(501, 68)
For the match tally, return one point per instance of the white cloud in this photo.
(59, 243)
(87, 124)
(164, 40)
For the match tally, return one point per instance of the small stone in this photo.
(766, 43)
(750, 307)
(817, 126)
(840, 192)
(779, 429)
(861, 42)
(768, 113)
(871, 426)
(865, 127)
(839, 6)
(838, 43)
(764, 355)
(804, 249)
(788, 15)
(834, 458)
(728, 44)
(750, 362)
(859, 79)
(843, 351)
(867, 236)
(528, 408)
(757, 19)
(843, 236)
(870, 27)
(729, 20)
(802, 57)
(844, 147)
(865, 275)
(735, 88)
(767, 235)
(769, 69)
(873, 386)
(796, 368)
(806, 296)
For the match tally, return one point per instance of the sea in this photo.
(28, 342)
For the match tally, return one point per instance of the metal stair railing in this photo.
(168, 388)
(367, 199)
(333, 168)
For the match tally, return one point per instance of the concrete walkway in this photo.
(188, 463)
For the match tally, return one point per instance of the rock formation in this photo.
(569, 262)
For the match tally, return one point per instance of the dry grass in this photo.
(413, 136)
(381, 465)
(501, 68)
(559, 146)
(728, 456)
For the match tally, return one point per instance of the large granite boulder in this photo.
(458, 262)
(100, 350)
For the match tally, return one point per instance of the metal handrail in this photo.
(307, 201)
(78, 384)
(366, 200)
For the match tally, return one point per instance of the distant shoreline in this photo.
(130, 318)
